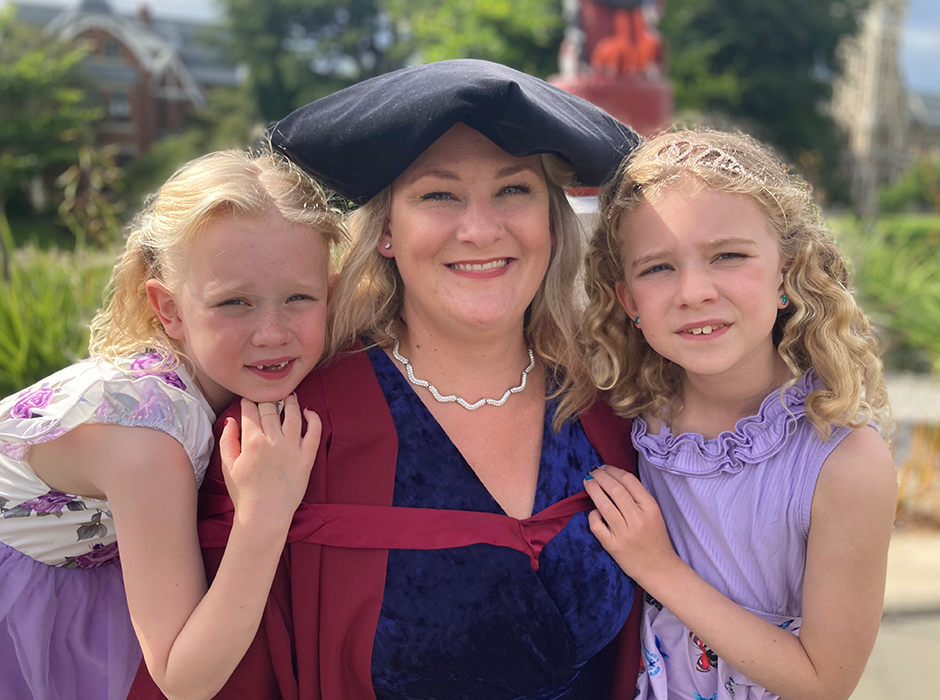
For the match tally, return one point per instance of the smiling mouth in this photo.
(479, 267)
(273, 368)
(704, 329)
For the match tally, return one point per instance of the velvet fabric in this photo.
(315, 641)
(480, 622)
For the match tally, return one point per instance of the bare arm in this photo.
(192, 638)
(843, 592)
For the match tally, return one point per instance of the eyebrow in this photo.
(709, 244)
(444, 174)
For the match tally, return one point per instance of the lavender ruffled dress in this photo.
(737, 508)
(65, 632)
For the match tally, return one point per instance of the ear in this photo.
(626, 300)
(166, 308)
(384, 246)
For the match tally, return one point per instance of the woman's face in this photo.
(469, 230)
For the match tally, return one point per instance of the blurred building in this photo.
(887, 126)
(146, 73)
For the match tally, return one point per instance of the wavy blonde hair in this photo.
(224, 183)
(369, 292)
(821, 327)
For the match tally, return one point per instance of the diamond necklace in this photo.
(453, 397)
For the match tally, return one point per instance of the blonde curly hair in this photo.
(821, 327)
(224, 183)
(369, 292)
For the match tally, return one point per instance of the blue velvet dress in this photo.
(476, 622)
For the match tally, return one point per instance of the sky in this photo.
(920, 46)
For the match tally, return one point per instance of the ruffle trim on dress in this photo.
(753, 440)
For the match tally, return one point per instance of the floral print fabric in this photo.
(69, 531)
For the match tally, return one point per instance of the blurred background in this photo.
(101, 100)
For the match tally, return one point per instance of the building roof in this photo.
(188, 47)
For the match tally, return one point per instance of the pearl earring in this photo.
(388, 246)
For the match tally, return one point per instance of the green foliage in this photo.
(90, 208)
(767, 63)
(45, 308)
(897, 276)
(43, 118)
(524, 34)
(917, 188)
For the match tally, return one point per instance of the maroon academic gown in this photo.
(315, 639)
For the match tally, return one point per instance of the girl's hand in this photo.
(267, 473)
(628, 523)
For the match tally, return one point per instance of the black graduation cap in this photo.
(358, 140)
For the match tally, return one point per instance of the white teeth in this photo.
(704, 329)
(273, 368)
(466, 267)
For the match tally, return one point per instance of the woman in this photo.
(443, 549)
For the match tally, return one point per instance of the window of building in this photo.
(119, 107)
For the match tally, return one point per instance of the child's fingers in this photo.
(270, 417)
(607, 508)
(229, 446)
(290, 417)
(632, 485)
(251, 417)
(599, 528)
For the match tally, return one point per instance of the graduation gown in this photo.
(315, 639)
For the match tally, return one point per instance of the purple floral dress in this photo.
(65, 632)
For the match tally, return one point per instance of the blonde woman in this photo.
(443, 548)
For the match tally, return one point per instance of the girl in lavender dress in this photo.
(221, 292)
(722, 324)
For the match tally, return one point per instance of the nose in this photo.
(695, 288)
(272, 329)
(481, 223)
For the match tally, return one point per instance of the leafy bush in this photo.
(896, 275)
(45, 309)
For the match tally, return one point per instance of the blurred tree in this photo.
(43, 116)
(299, 50)
(769, 63)
(523, 34)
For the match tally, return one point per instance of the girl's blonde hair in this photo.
(821, 327)
(224, 183)
(369, 292)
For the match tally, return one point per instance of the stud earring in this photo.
(637, 320)
(784, 300)
(388, 246)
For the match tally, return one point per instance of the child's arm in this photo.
(192, 638)
(843, 592)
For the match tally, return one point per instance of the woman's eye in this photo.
(436, 197)
(521, 188)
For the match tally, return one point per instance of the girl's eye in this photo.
(731, 256)
(300, 297)
(233, 302)
(655, 268)
(521, 188)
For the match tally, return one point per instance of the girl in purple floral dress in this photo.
(220, 293)
(722, 324)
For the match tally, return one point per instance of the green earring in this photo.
(783, 299)
(637, 320)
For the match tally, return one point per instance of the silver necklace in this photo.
(453, 397)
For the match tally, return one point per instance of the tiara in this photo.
(704, 155)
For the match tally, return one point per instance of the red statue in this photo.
(613, 56)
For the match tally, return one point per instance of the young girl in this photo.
(753, 380)
(220, 293)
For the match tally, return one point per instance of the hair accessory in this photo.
(784, 300)
(704, 155)
(358, 140)
(388, 246)
(453, 397)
